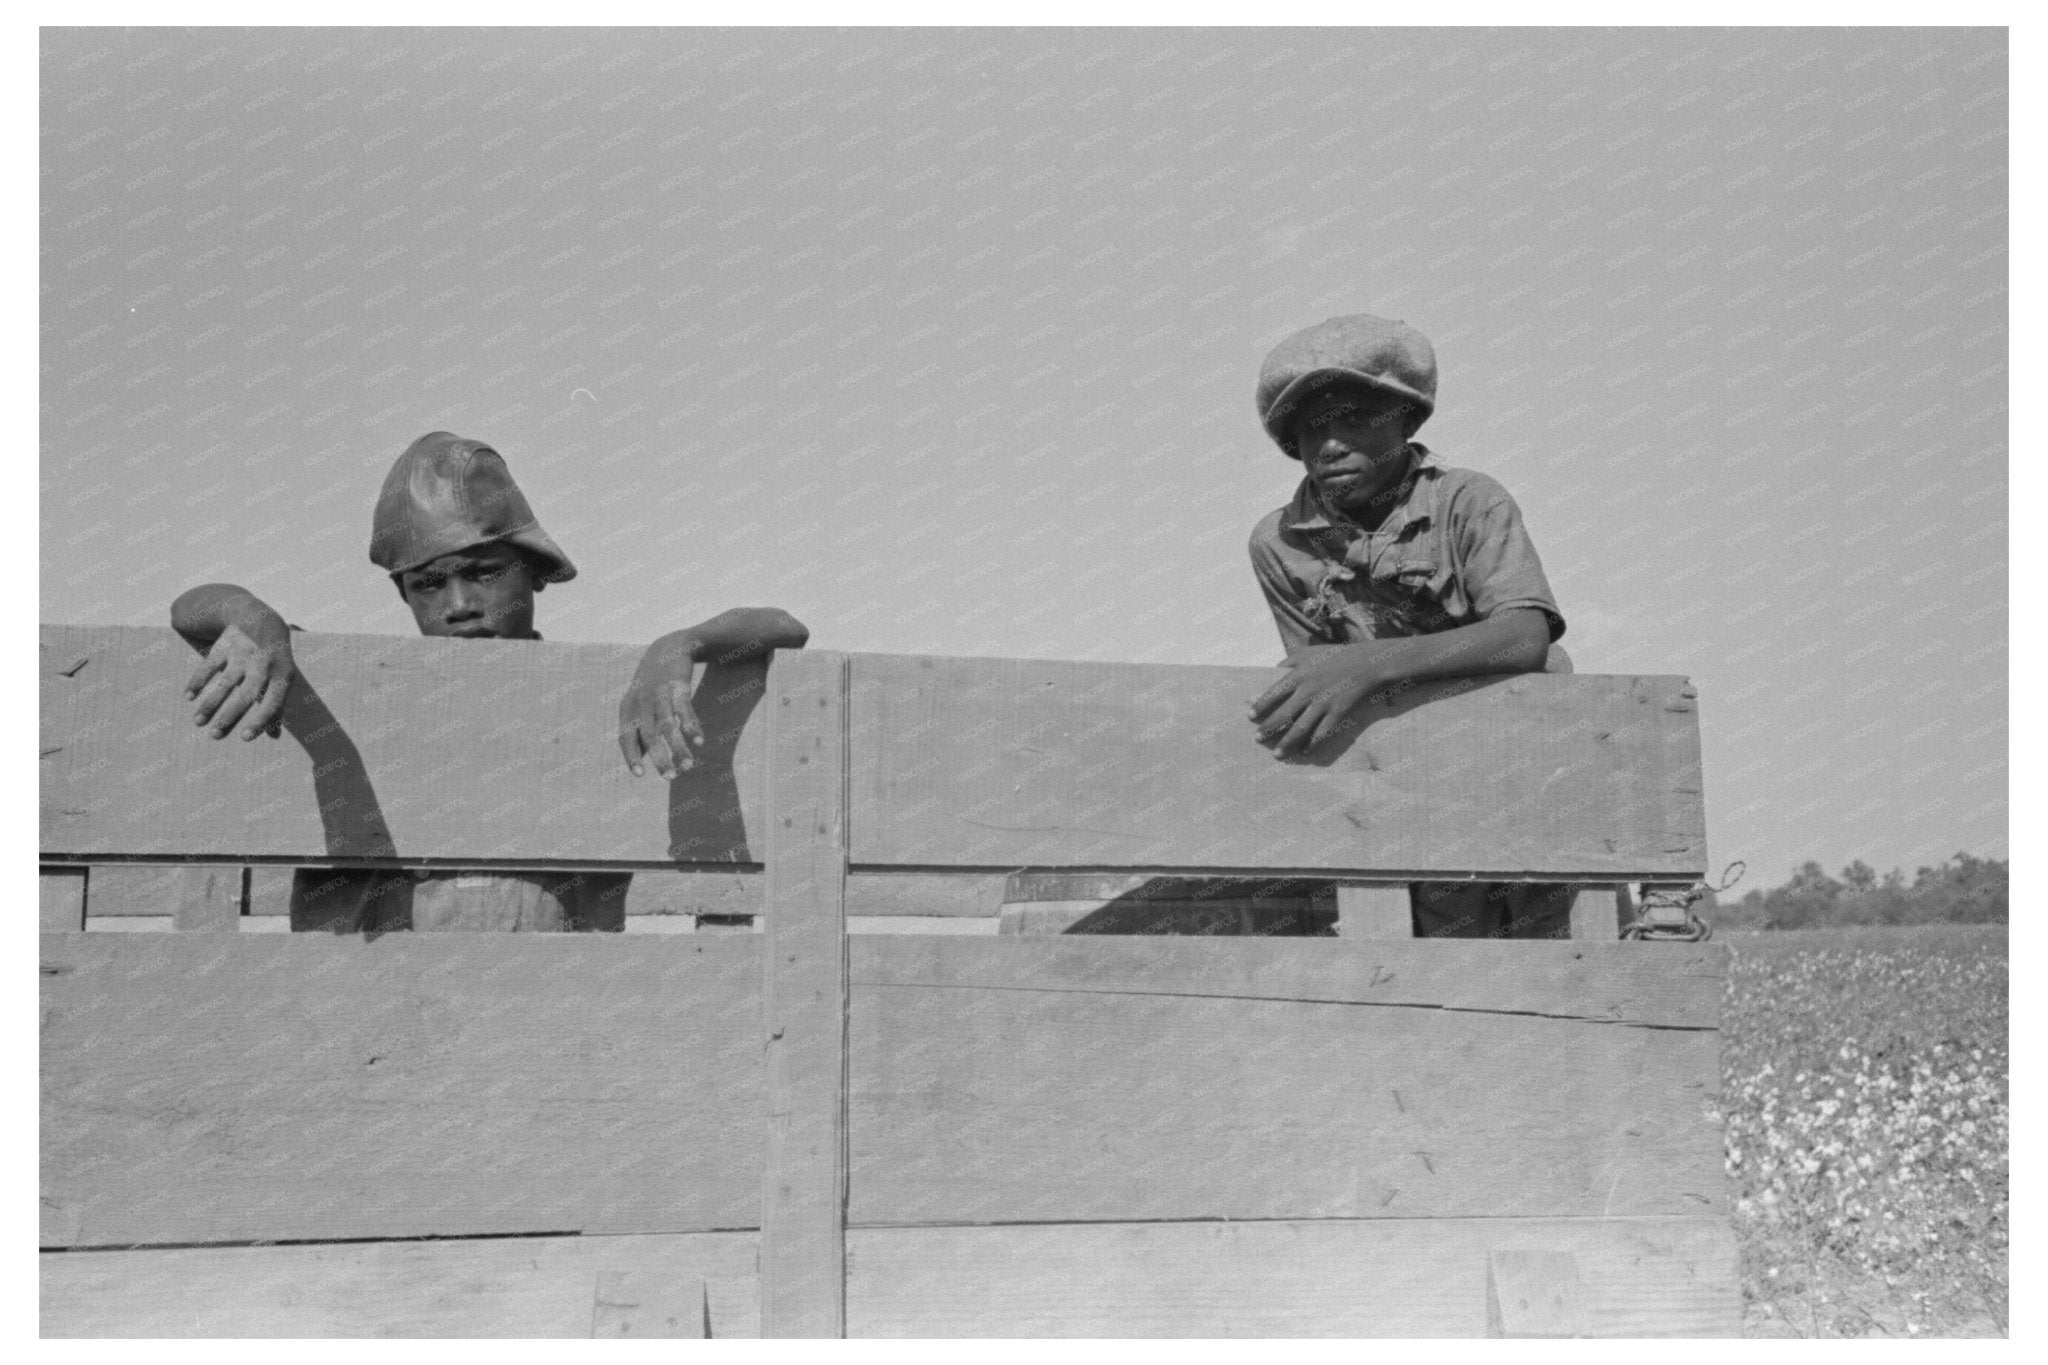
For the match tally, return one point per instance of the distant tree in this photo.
(1964, 889)
(1805, 902)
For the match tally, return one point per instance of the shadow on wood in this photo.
(706, 821)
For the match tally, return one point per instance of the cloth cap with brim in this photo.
(447, 494)
(1376, 353)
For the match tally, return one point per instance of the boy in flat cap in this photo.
(1389, 567)
(467, 555)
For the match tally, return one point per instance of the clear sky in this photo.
(946, 342)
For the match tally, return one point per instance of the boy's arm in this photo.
(656, 720)
(248, 668)
(1324, 683)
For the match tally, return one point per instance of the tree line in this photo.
(1962, 890)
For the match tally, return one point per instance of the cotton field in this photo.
(1866, 1098)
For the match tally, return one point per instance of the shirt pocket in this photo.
(1411, 575)
(1422, 587)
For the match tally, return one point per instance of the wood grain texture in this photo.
(1534, 1294)
(392, 747)
(1386, 1278)
(1011, 763)
(1055, 1105)
(1665, 985)
(1379, 1278)
(804, 1002)
(734, 1303)
(200, 1088)
(197, 896)
(490, 1287)
(60, 899)
(649, 1301)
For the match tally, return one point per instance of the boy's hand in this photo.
(244, 680)
(656, 720)
(1321, 685)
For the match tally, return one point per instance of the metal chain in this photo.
(1667, 912)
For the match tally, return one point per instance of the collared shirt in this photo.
(1451, 552)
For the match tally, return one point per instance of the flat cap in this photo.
(1379, 353)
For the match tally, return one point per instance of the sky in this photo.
(946, 343)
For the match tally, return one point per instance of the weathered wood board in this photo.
(1006, 1106)
(201, 1088)
(488, 1287)
(1379, 1278)
(392, 747)
(60, 896)
(206, 1088)
(804, 1004)
(1376, 1278)
(1661, 985)
(1012, 763)
(493, 751)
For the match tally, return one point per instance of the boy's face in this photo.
(1353, 443)
(482, 593)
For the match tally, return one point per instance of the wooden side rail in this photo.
(961, 765)
(236, 1090)
(1006, 763)
(800, 1133)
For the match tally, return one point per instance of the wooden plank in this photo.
(1676, 986)
(201, 1088)
(733, 1304)
(378, 733)
(1386, 1278)
(489, 1287)
(1598, 914)
(1032, 1105)
(706, 892)
(1369, 910)
(649, 1302)
(925, 892)
(196, 896)
(270, 891)
(1378, 1278)
(1534, 1294)
(953, 925)
(804, 998)
(61, 899)
(1014, 763)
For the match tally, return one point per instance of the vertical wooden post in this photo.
(649, 1303)
(803, 1207)
(209, 899)
(62, 900)
(1598, 912)
(1534, 1294)
(1374, 910)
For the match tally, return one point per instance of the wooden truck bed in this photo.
(801, 1132)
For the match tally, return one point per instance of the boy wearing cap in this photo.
(1389, 567)
(467, 556)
